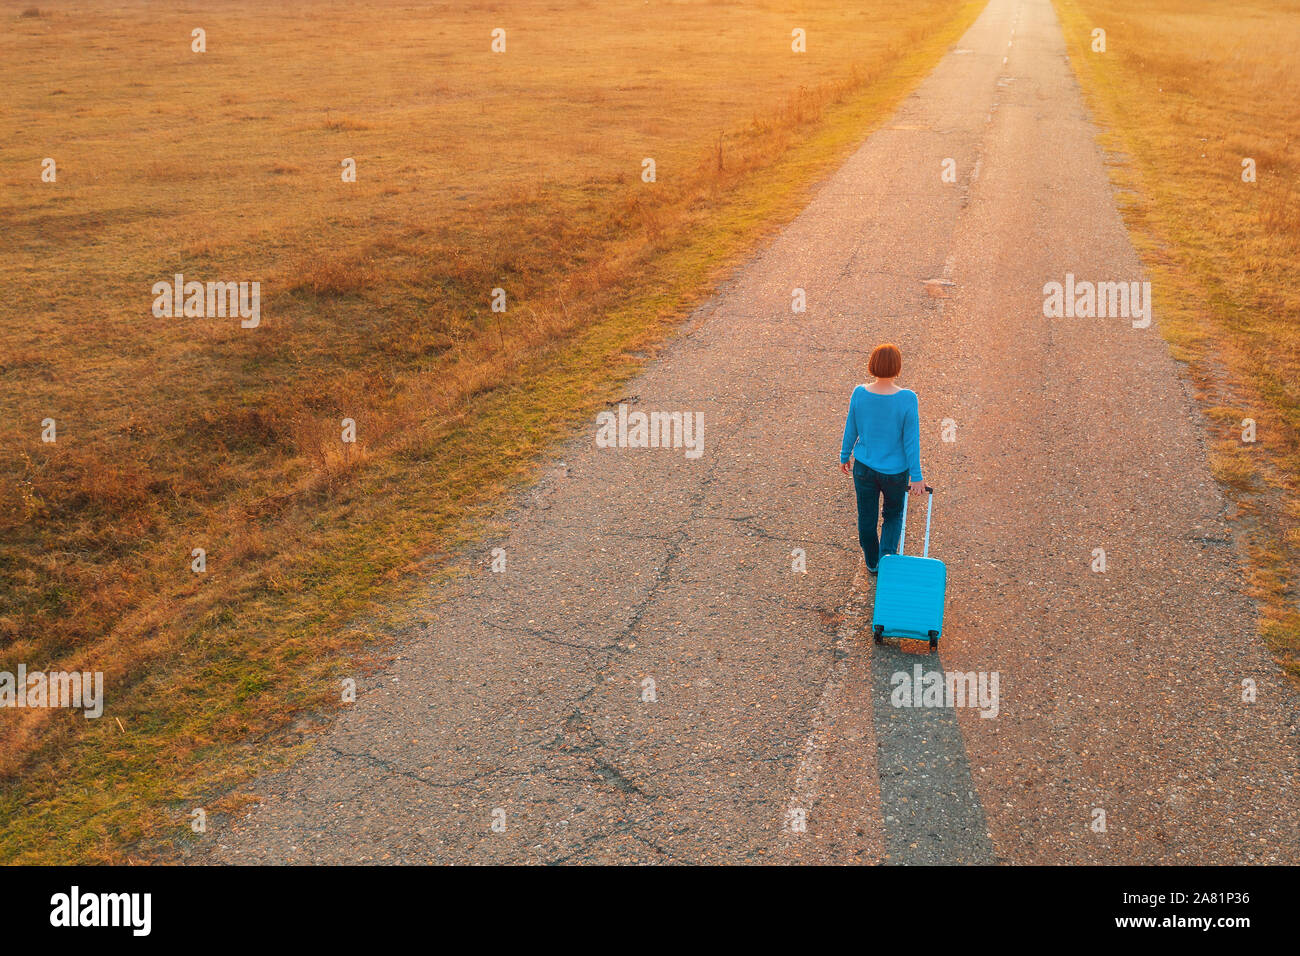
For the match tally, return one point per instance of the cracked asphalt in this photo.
(640, 573)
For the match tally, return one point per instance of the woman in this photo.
(883, 436)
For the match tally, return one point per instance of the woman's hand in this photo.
(847, 467)
(917, 488)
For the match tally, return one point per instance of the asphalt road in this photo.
(772, 735)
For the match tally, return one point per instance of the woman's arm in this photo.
(850, 433)
(912, 441)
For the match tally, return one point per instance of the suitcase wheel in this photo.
(934, 640)
(879, 635)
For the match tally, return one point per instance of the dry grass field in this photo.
(1188, 90)
(475, 170)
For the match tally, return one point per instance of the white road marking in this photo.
(807, 780)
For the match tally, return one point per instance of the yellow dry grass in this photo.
(1189, 90)
(475, 170)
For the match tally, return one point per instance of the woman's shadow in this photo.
(932, 813)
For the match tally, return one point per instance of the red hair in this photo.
(886, 361)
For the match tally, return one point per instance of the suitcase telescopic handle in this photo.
(929, 510)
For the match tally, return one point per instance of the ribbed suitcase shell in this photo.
(909, 596)
(910, 590)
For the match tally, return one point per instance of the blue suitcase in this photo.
(910, 590)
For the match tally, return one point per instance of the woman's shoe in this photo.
(871, 570)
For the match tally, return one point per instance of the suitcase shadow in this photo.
(932, 813)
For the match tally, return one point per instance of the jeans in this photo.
(870, 485)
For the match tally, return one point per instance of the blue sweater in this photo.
(884, 432)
